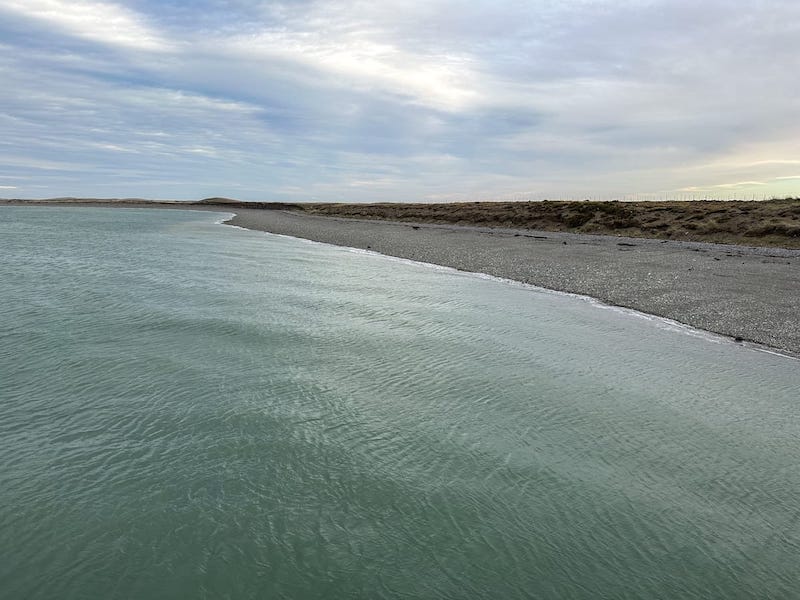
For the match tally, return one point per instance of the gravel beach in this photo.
(747, 293)
(752, 294)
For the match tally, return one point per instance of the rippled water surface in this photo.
(188, 410)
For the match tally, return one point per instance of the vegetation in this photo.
(773, 222)
(767, 223)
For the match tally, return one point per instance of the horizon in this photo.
(226, 199)
(417, 102)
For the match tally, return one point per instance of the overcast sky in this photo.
(412, 100)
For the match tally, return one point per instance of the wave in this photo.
(660, 322)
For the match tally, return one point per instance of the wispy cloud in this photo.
(103, 22)
(397, 100)
(357, 62)
(738, 184)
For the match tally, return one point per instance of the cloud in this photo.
(398, 100)
(357, 62)
(103, 22)
(738, 184)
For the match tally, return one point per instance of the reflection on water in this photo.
(191, 410)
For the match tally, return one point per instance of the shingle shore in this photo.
(748, 293)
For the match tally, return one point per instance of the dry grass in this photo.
(767, 223)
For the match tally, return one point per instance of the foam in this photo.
(224, 218)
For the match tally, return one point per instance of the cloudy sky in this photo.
(412, 100)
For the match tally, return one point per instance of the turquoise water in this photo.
(189, 410)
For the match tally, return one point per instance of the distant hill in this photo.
(219, 200)
(259, 205)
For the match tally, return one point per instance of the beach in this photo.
(751, 294)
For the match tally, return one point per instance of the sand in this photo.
(749, 294)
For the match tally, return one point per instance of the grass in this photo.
(766, 223)
(773, 222)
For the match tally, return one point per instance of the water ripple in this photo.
(188, 410)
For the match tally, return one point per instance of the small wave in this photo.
(224, 218)
(663, 323)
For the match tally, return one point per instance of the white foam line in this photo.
(660, 322)
(224, 217)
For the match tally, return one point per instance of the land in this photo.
(771, 223)
(750, 293)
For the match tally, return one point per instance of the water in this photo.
(188, 410)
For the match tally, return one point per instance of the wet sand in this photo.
(751, 294)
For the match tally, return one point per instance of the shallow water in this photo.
(192, 410)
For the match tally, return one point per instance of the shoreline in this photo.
(749, 294)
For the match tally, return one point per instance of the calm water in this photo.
(188, 410)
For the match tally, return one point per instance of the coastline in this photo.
(746, 293)
(749, 294)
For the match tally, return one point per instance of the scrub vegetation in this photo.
(762, 223)
(773, 222)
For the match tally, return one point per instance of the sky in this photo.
(412, 100)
